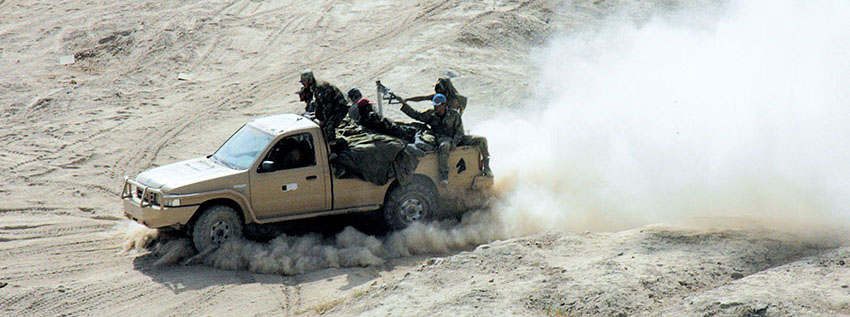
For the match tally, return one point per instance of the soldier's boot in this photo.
(444, 179)
(486, 171)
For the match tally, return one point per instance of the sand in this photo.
(91, 92)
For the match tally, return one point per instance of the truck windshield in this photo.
(242, 148)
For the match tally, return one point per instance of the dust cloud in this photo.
(290, 255)
(741, 115)
(136, 236)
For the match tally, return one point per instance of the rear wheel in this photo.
(217, 225)
(407, 204)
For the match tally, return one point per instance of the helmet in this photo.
(354, 94)
(306, 76)
(439, 99)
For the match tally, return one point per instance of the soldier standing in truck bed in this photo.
(330, 104)
(445, 87)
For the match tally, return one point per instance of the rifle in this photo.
(387, 94)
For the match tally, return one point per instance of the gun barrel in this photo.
(381, 90)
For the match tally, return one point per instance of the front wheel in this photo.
(407, 204)
(216, 226)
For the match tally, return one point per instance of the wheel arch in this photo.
(422, 178)
(218, 201)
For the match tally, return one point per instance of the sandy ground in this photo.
(69, 133)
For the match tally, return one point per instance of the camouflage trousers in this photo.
(429, 142)
(479, 141)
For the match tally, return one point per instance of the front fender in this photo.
(237, 197)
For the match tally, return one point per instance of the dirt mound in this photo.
(520, 27)
(643, 271)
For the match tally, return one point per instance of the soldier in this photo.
(444, 86)
(354, 96)
(331, 106)
(445, 131)
(369, 119)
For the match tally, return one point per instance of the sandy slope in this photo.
(69, 133)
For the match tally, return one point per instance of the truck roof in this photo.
(280, 123)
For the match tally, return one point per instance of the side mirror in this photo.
(266, 166)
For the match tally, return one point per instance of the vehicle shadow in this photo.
(180, 278)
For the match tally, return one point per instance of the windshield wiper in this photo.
(222, 162)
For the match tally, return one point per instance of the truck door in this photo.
(288, 181)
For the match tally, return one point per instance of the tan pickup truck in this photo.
(212, 198)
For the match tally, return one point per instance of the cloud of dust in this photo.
(743, 115)
(136, 236)
(290, 255)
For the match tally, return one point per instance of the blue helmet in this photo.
(439, 99)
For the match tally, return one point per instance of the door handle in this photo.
(312, 177)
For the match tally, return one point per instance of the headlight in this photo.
(171, 202)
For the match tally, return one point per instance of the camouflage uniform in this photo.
(331, 107)
(454, 100)
(481, 143)
(444, 86)
(446, 132)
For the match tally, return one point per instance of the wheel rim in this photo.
(412, 209)
(220, 232)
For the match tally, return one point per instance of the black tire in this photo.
(408, 204)
(218, 224)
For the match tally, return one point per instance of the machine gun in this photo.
(387, 94)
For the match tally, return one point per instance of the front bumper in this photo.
(158, 217)
(142, 204)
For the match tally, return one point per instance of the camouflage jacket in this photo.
(446, 126)
(331, 106)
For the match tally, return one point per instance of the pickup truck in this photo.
(213, 198)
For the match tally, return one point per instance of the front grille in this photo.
(152, 198)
